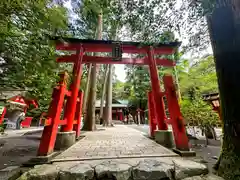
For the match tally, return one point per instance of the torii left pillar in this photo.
(69, 132)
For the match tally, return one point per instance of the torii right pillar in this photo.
(162, 136)
(176, 119)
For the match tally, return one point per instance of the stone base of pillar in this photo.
(64, 140)
(165, 138)
(184, 153)
(40, 160)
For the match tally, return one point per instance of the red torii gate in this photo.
(72, 109)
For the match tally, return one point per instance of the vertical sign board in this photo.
(116, 51)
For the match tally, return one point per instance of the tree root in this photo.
(228, 166)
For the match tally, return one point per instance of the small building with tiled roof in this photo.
(117, 108)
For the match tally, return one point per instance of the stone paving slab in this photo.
(114, 142)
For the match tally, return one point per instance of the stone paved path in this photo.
(114, 142)
(118, 153)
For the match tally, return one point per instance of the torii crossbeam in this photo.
(71, 44)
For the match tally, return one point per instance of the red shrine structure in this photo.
(24, 103)
(117, 109)
(70, 100)
(213, 99)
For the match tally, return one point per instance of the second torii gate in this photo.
(80, 49)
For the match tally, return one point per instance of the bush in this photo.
(196, 112)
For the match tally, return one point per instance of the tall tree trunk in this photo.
(108, 105)
(89, 123)
(86, 91)
(224, 29)
(104, 91)
(105, 110)
(177, 84)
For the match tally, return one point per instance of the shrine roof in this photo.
(211, 96)
(90, 45)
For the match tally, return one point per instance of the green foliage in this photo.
(200, 76)
(147, 20)
(88, 11)
(118, 90)
(28, 58)
(138, 81)
(196, 80)
(137, 85)
(197, 112)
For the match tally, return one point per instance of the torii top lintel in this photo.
(72, 44)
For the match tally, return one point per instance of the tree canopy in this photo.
(27, 56)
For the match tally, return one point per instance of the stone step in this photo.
(119, 169)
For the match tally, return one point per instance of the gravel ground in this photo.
(16, 150)
(207, 155)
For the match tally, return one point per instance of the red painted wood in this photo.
(78, 115)
(108, 48)
(26, 123)
(120, 116)
(151, 115)
(67, 110)
(50, 132)
(48, 122)
(217, 109)
(3, 114)
(63, 122)
(179, 131)
(77, 72)
(108, 60)
(156, 91)
(68, 93)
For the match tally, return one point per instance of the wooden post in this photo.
(151, 115)
(179, 132)
(3, 114)
(49, 134)
(77, 72)
(156, 91)
(78, 114)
